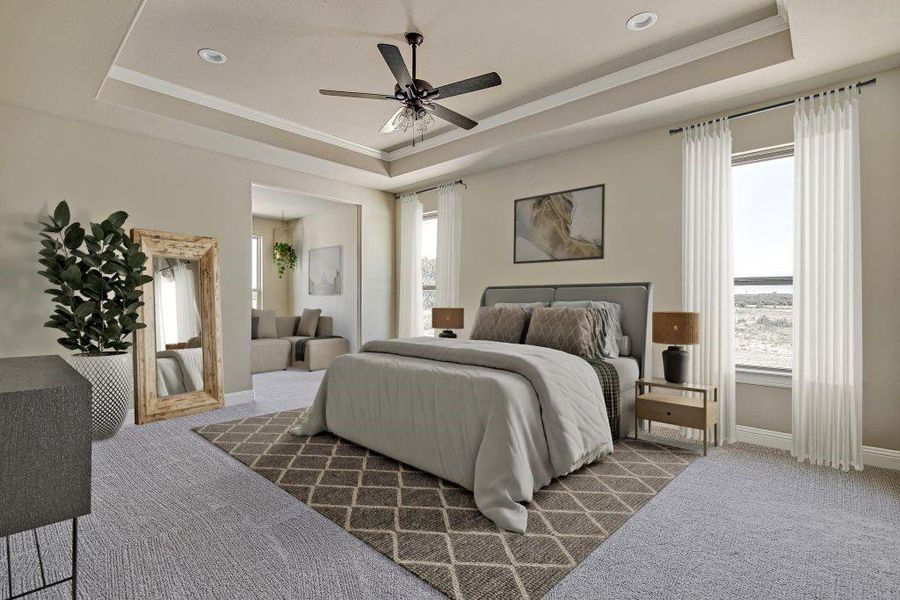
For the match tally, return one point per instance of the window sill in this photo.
(764, 377)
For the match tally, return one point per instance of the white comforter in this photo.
(499, 419)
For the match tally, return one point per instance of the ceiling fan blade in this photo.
(355, 95)
(395, 63)
(472, 84)
(390, 125)
(452, 116)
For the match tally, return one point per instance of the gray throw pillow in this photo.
(609, 326)
(309, 322)
(266, 325)
(570, 329)
(500, 324)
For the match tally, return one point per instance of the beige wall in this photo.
(335, 227)
(162, 185)
(276, 291)
(642, 174)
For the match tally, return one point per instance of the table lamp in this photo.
(676, 329)
(447, 319)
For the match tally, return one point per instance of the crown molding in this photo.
(233, 108)
(720, 43)
(709, 47)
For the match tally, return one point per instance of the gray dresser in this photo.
(45, 447)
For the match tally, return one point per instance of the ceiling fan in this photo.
(418, 96)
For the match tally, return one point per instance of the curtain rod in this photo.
(763, 109)
(434, 187)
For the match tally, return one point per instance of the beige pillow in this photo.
(500, 324)
(309, 322)
(266, 326)
(571, 330)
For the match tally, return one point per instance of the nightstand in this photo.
(698, 410)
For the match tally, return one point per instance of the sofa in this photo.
(277, 353)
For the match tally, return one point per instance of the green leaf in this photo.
(49, 227)
(117, 219)
(74, 236)
(72, 276)
(61, 214)
(85, 308)
(136, 260)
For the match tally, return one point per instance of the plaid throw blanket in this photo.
(609, 381)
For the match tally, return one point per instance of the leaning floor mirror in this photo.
(178, 356)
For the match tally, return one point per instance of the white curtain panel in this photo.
(827, 370)
(449, 244)
(186, 302)
(708, 262)
(410, 277)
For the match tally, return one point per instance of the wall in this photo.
(276, 291)
(162, 185)
(335, 227)
(642, 174)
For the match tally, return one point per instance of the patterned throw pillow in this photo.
(609, 325)
(500, 324)
(570, 329)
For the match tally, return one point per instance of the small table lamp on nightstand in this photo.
(676, 329)
(447, 319)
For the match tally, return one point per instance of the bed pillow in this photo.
(500, 324)
(309, 322)
(528, 306)
(609, 327)
(567, 328)
(624, 346)
(266, 327)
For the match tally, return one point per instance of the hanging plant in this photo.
(285, 257)
(96, 277)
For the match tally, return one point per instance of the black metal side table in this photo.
(45, 453)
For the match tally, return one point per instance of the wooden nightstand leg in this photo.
(649, 424)
(716, 434)
(705, 433)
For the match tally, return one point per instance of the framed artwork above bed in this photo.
(565, 225)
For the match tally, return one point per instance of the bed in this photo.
(501, 420)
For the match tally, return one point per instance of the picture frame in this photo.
(560, 226)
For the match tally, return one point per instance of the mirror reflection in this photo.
(179, 352)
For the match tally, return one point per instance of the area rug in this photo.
(431, 527)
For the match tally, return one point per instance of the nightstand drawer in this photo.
(686, 416)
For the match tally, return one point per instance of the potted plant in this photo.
(284, 256)
(96, 277)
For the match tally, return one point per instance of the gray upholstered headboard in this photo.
(636, 300)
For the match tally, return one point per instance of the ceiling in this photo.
(280, 55)
(276, 203)
(571, 77)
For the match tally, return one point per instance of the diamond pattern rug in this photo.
(431, 527)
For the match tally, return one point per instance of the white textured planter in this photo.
(112, 390)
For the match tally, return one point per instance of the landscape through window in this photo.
(429, 269)
(763, 268)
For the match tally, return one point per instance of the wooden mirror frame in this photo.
(149, 407)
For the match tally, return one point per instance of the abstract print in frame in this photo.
(561, 226)
(325, 273)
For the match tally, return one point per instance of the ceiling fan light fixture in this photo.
(212, 56)
(641, 21)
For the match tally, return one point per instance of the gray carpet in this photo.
(174, 517)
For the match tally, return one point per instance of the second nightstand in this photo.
(700, 410)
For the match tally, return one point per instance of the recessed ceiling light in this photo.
(212, 56)
(641, 21)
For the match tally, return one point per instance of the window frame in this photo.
(258, 239)
(753, 374)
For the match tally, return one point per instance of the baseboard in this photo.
(872, 456)
(239, 397)
(230, 400)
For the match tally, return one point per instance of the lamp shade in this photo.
(676, 328)
(447, 318)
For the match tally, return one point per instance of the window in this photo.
(763, 188)
(429, 268)
(256, 271)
